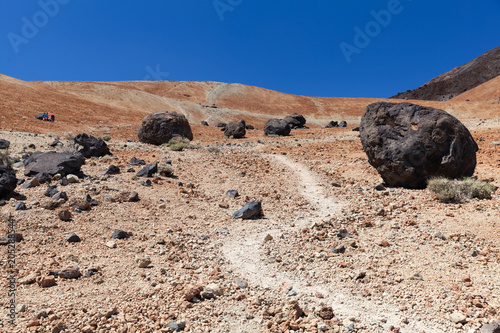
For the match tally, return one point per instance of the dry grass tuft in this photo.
(179, 144)
(458, 191)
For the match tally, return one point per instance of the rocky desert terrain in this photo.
(331, 253)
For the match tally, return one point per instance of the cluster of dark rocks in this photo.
(283, 127)
(333, 124)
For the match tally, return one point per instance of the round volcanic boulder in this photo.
(162, 126)
(277, 127)
(408, 144)
(295, 120)
(235, 129)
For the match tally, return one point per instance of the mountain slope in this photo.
(117, 108)
(458, 80)
(485, 92)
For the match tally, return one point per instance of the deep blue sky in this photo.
(289, 46)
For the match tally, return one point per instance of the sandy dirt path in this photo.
(245, 253)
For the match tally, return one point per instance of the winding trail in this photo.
(244, 252)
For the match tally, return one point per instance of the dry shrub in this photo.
(178, 144)
(105, 137)
(165, 169)
(5, 160)
(457, 191)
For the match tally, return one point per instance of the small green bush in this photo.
(5, 160)
(457, 191)
(105, 137)
(178, 144)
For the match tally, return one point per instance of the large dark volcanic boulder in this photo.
(8, 181)
(295, 120)
(92, 146)
(161, 126)
(235, 129)
(277, 127)
(53, 163)
(408, 144)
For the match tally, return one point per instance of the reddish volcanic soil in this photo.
(411, 263)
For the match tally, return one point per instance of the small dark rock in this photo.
(250, 209)
(136, 161)
(380, 187)
(232, 194)
(332, 124)
(92, 202)
(343, 233)
(112, 170)
(120, 234)
(148, 171)
(20, 206)
(73, 238)
(339, 250)
(60, 195)
(222, 125)
(64, 215)
(54, 143)
(343, 123)
(33, 182)
(204, 123)
(355, 129)
(4, 144)
(249, 127)
(146, 182)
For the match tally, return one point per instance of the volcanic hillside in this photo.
(117, 108)
(459, 80)
(332, 249)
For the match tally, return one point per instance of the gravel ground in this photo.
(409, 263)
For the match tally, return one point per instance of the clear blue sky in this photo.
(297, 47)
